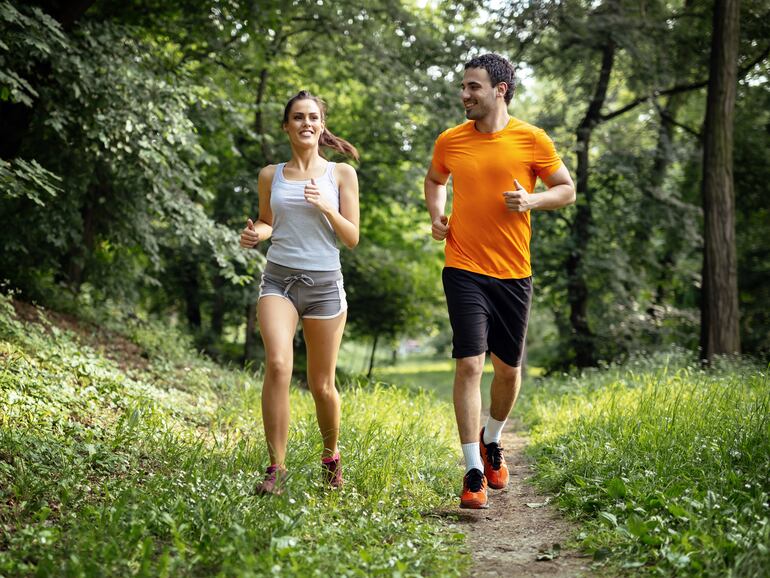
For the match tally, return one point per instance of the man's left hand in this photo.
(517, 201)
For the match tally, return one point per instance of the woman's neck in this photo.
(305, 160)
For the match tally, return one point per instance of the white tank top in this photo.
(302, 237)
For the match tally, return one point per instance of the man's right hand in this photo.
(249, 236)
(440, 228)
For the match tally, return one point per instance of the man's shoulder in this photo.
(519, 125)
(461, 129)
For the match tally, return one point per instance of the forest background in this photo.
(133, 132)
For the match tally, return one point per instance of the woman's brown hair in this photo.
(327, 139)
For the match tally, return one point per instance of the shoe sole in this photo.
(474, 505)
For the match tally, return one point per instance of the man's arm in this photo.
(435, 200)
(560, 193)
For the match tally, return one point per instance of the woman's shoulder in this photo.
(344, 170)
(267, 175)
(267, 172)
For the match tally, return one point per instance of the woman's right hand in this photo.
(249, 236)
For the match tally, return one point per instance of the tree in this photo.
(720, 329)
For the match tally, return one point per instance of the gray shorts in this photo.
(315, 294)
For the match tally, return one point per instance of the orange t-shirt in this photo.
(484, 237)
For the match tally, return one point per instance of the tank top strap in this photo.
(330, 173)
(278, 174)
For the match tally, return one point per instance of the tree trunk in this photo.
(720, 332)
(259, 128)
(582, 339)
(77, 256)
(191, 289)
(218, 307)
(662, 162)
(371, 357)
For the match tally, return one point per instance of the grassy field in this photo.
(667, 466)
(145, 465)
(417, 372)
(431, 375)
(147, 469)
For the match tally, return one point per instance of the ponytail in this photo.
(338, 144)
(327, 139)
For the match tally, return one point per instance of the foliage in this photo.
(111, 470)
(20, 178)
(130, 175)
(753, 212)
(143, 127)
(665, 464)
(32, 33)
(393, 280)
(642, 260)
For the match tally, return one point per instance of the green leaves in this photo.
(27, 179)
(616, 488)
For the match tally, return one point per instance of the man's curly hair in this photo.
(499, 70)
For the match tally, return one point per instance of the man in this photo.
(494, 160)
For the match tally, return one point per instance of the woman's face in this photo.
(305, 123)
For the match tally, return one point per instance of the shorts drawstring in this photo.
(292, 279)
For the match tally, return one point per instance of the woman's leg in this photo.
(277, 324)
(323, 337)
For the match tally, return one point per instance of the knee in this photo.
(278, 368)
(470, 367)
(323, 390)
(510, 376)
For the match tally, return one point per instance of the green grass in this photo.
(666, 465)
(437, 376)
(149, 472)
(432, 375)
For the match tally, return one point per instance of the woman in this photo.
(305, 204)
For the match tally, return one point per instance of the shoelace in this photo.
(495, 454)
(292, 279)
(474, 479)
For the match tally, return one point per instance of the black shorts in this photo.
(487, 314)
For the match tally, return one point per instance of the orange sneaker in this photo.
(474, 494)
(494, 464)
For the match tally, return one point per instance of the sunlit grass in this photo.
(102, 473)
(666, 464)
(437, 376)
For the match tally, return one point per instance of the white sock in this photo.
(472, 457)
(493, 429)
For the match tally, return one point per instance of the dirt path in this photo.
(507, 539)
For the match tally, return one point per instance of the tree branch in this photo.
(681, 88)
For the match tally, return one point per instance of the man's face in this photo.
(477, 93)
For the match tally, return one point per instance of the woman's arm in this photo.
(263, 228)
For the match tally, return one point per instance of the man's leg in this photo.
(467, 402)
(505, 389)
(467, 396)
(469, 316)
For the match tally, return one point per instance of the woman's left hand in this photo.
(314, 196)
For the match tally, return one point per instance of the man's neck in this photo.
(494, 122)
